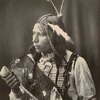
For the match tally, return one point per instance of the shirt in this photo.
(80, 79)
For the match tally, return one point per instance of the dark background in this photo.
(81, 19)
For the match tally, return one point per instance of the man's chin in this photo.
(38, 51)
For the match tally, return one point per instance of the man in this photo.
(51, 71)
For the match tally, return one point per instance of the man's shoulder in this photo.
(68, 55)
(71, 55)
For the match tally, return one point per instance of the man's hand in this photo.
(10, 78)
(13, 82)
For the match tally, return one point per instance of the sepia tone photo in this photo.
(49, 50)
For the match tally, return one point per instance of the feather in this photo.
(60, 32)
(53, 5)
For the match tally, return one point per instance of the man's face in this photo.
(40, 40)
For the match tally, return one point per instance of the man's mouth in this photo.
(36, 47)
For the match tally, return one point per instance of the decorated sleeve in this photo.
(83, 80)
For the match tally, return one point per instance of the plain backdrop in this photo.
(81, 19)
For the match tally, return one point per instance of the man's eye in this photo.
(41, 34)
(38, 34)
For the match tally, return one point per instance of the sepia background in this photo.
(81, 19)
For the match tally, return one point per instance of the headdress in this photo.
(56, 28)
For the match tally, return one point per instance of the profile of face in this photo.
(40, 40)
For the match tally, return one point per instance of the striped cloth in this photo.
(48, 67)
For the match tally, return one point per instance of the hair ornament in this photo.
(59, 13)
(60, 32)
(53, 6)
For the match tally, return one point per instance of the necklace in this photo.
(46, 63)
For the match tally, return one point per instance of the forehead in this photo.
(41, 29)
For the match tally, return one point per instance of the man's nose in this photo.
(35, 38)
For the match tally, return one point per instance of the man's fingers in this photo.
(14, 83)
(13, 78)
(8, 76)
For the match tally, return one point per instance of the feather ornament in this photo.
(60, 32)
